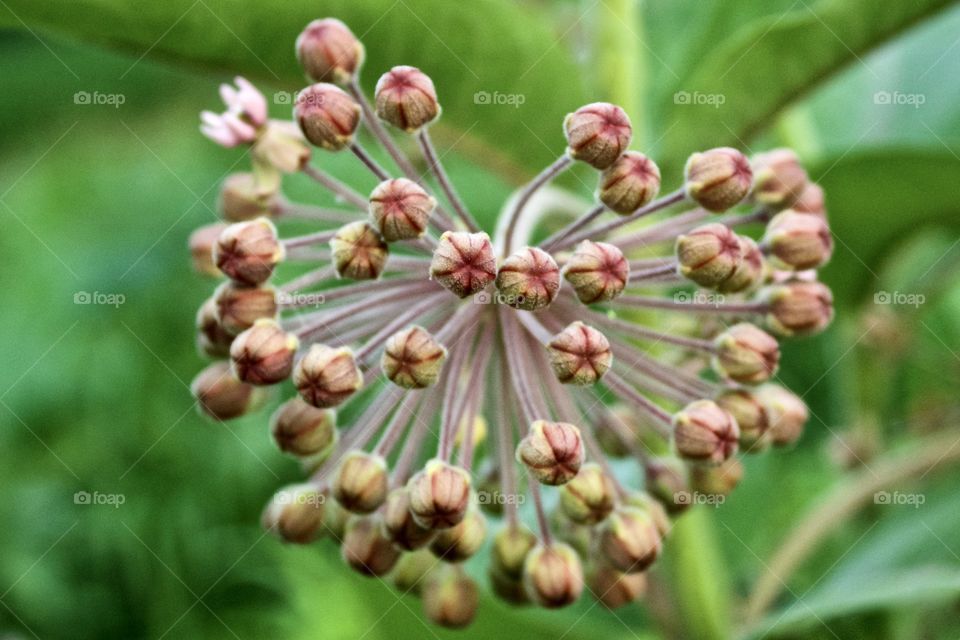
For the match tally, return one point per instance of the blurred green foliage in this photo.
(101, 199)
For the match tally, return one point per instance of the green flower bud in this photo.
(239, 306)
(718, 179)
(411, 571)
(529, 279)
(400, 209)
(365, 549)
(361, 482)
(552, 451)
(799, 240)
(221, 396)
(359, 253)
(798, 308)
(328, 51)
(787, 412)
(590, 496)
(450, 597)
(406, 98)
(597, 134)
(439, 495)
(629, 540)
(579, 355)
(295, 513)
(709, 255)
(302, 430)
(327, 115)
(399, 524)
(327, 376)
(510, 548)
(598, 271)
(703, 432)
(614, 588)
(462, 540)
(463, 263)
(751, 416)
(412, 358)
(632, 181)
(553, 575)
(746, 354)
(263, 354)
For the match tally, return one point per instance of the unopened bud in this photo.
(779, 178)
(462, 540)
(749, 272)
(787, 412)
(202, 242)
(239, 306)
(614, 589)
(718, 179)
(244, 197)
(361, 482)
(811, 201)
(552, 451)
(666, 479)
(799, 240)
(597, 134)
(406, 98)
(280, 148)
(400, 209)
(751, 416)
(703, 432)
(450, 597)
(365, 549)
(295, 514)
(746, 354)
(220, 395)
(799, 308)
(629, 539)
(411, 571)
(719, 480)
(327, 115)
(579, 354)
(590, 496)
(326, 376)
(359, 253)
(645, 501)
(399, 524)
(328, 51)
(631, 182)
(598, 271)
(553, 575)
(618, 430)
(412, 358)
(302, 430)
(510, 548)
(506, 588)
(248, 252)
(212, 338)
(463, 263)
(529, 279)
(709, 255)
(439, 495)
(263, 354)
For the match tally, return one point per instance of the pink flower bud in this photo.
(263, 354)
(580, 355)
(302, 430)
(361, 483)
(463, 263)
(787, 411)
(597, 134)
(779, 178)
(365, 549)
(327, 376)
(238, 306)
(244, 197)
(746, 354)
(461, 541)
(529, 279)
(327, 115)
(751, 416)
(248, 252)
(439, 495)
(632, 181)
(201, 245)
(399, 524)
(553, 575)
(799, 240)
(811, 201)
(220, 395)
(749, 272)
(799, 308)
(615, 589)
(412, 358)
(552, 451)
(212, 339)
(590, 496)
(359, 253)
(709, 255)
(405, 97)
(400, 209)
(718, 179)
(328, 51)
(598, 271)
(703, 432)
(629, 540)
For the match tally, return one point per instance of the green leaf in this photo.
(465, 47)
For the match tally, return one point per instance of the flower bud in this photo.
(212, 339)
(450, 597)
(327, 115)
(412, 358)
(280, 148)
(361, 482)
(709, 255)
(751, 416)
(720, 480)
(703, 432)
(718, 179)
(400, 526)
(220, 395)
(779, 179)
(746, 354)
(411, 571)
(405, 97)
(510, 548)
(614, 588)
(302, 430)
(365, 549)
(666, 480)
(463, 262)
(799, 308)
(295, 513)
(462, 540)
(617, 430)
(326, 376)
(631, 182)
(529, 279)
(359, 253)
(263, 354)
(787, 412)
(646, 502)
(439, 495)
(566, 530)
(597, 134)
(749, 272)
(589, 497)
(799, 240)
(243, 197)
(553, 576)
(579, 354)
(629, 539)
(248, 252)
(239, 306)
(510, 590)
(811, 201)
(552, 451)
(328, 51)
(201, 244)
(598, 271)
(400, 209)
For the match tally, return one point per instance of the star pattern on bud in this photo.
(529, 279)
(580, 355)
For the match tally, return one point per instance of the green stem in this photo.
(621, 74)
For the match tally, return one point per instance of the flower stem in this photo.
(369, 162)
(545, 176)
(339, 189)
(657, 205)
(433, 161)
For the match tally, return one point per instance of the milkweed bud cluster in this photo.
(396, 318)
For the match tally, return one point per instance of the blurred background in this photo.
(129, 516)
